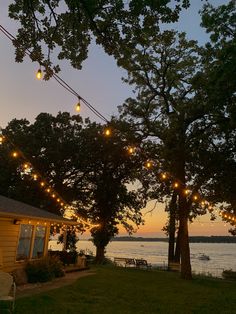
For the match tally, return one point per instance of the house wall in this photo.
(9, 235)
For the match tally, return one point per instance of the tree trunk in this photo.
(177, 249)
(100, 254)
(186, 272)
(172, 221)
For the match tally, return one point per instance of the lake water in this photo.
(222, 255)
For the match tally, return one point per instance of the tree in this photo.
(92, 172)
(69, 26)
(171, 110)
(220, 87)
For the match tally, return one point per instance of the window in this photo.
(31, 242)
(23, 249)
(39, 240)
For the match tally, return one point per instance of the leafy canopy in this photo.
(69, 26)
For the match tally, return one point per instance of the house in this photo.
(24, 233)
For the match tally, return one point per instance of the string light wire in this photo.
(59, 80)
(67, 87)
(36, 175)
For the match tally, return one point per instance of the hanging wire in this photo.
(67, 87)
(59, 80)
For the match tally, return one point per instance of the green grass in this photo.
(125, 291)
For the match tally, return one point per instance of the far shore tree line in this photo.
(182, 118)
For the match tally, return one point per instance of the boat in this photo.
(203, 257)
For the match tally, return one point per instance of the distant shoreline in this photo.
(196, 239)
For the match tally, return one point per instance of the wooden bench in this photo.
(142, 263)
(124, 262)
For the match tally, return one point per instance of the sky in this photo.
(100, 83)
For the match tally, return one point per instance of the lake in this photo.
(222, 255)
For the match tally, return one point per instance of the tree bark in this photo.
(100, 254)
(172, 221)
(186, 272)
(177, 249)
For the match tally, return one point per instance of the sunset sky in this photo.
(99, 82)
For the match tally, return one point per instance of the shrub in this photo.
(229, 274)
(44, 270)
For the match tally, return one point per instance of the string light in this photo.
(148, 165)
(39, 74)
(14, 154)
(107, 132)
(186, 191)
(26, 166)
(163, 176)
(77, 108)
(35, 177)
(131, 150)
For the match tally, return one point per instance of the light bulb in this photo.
(131, 150)
(77, 108)
(39, 74)
(107, 132)
(14, 154)
(26, 166)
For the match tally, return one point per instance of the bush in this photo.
(229, 274)
(65, 257)
(44, 270)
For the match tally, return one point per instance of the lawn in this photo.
(125, 291)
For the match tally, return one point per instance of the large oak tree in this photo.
(92, 172)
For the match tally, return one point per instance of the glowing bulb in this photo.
(186, 191)
(35, 177)
(77, 108)
(42, 183)
(26, 166)
(48, 190)
(14, 154)
(1, 139)
(58, 200)
(107, 132)
(53, 195)
(176, 185)
(39, 74)
(163, 176)
(131, 150)
(195, 197)
(148, 164)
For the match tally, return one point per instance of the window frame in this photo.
(32, 241)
